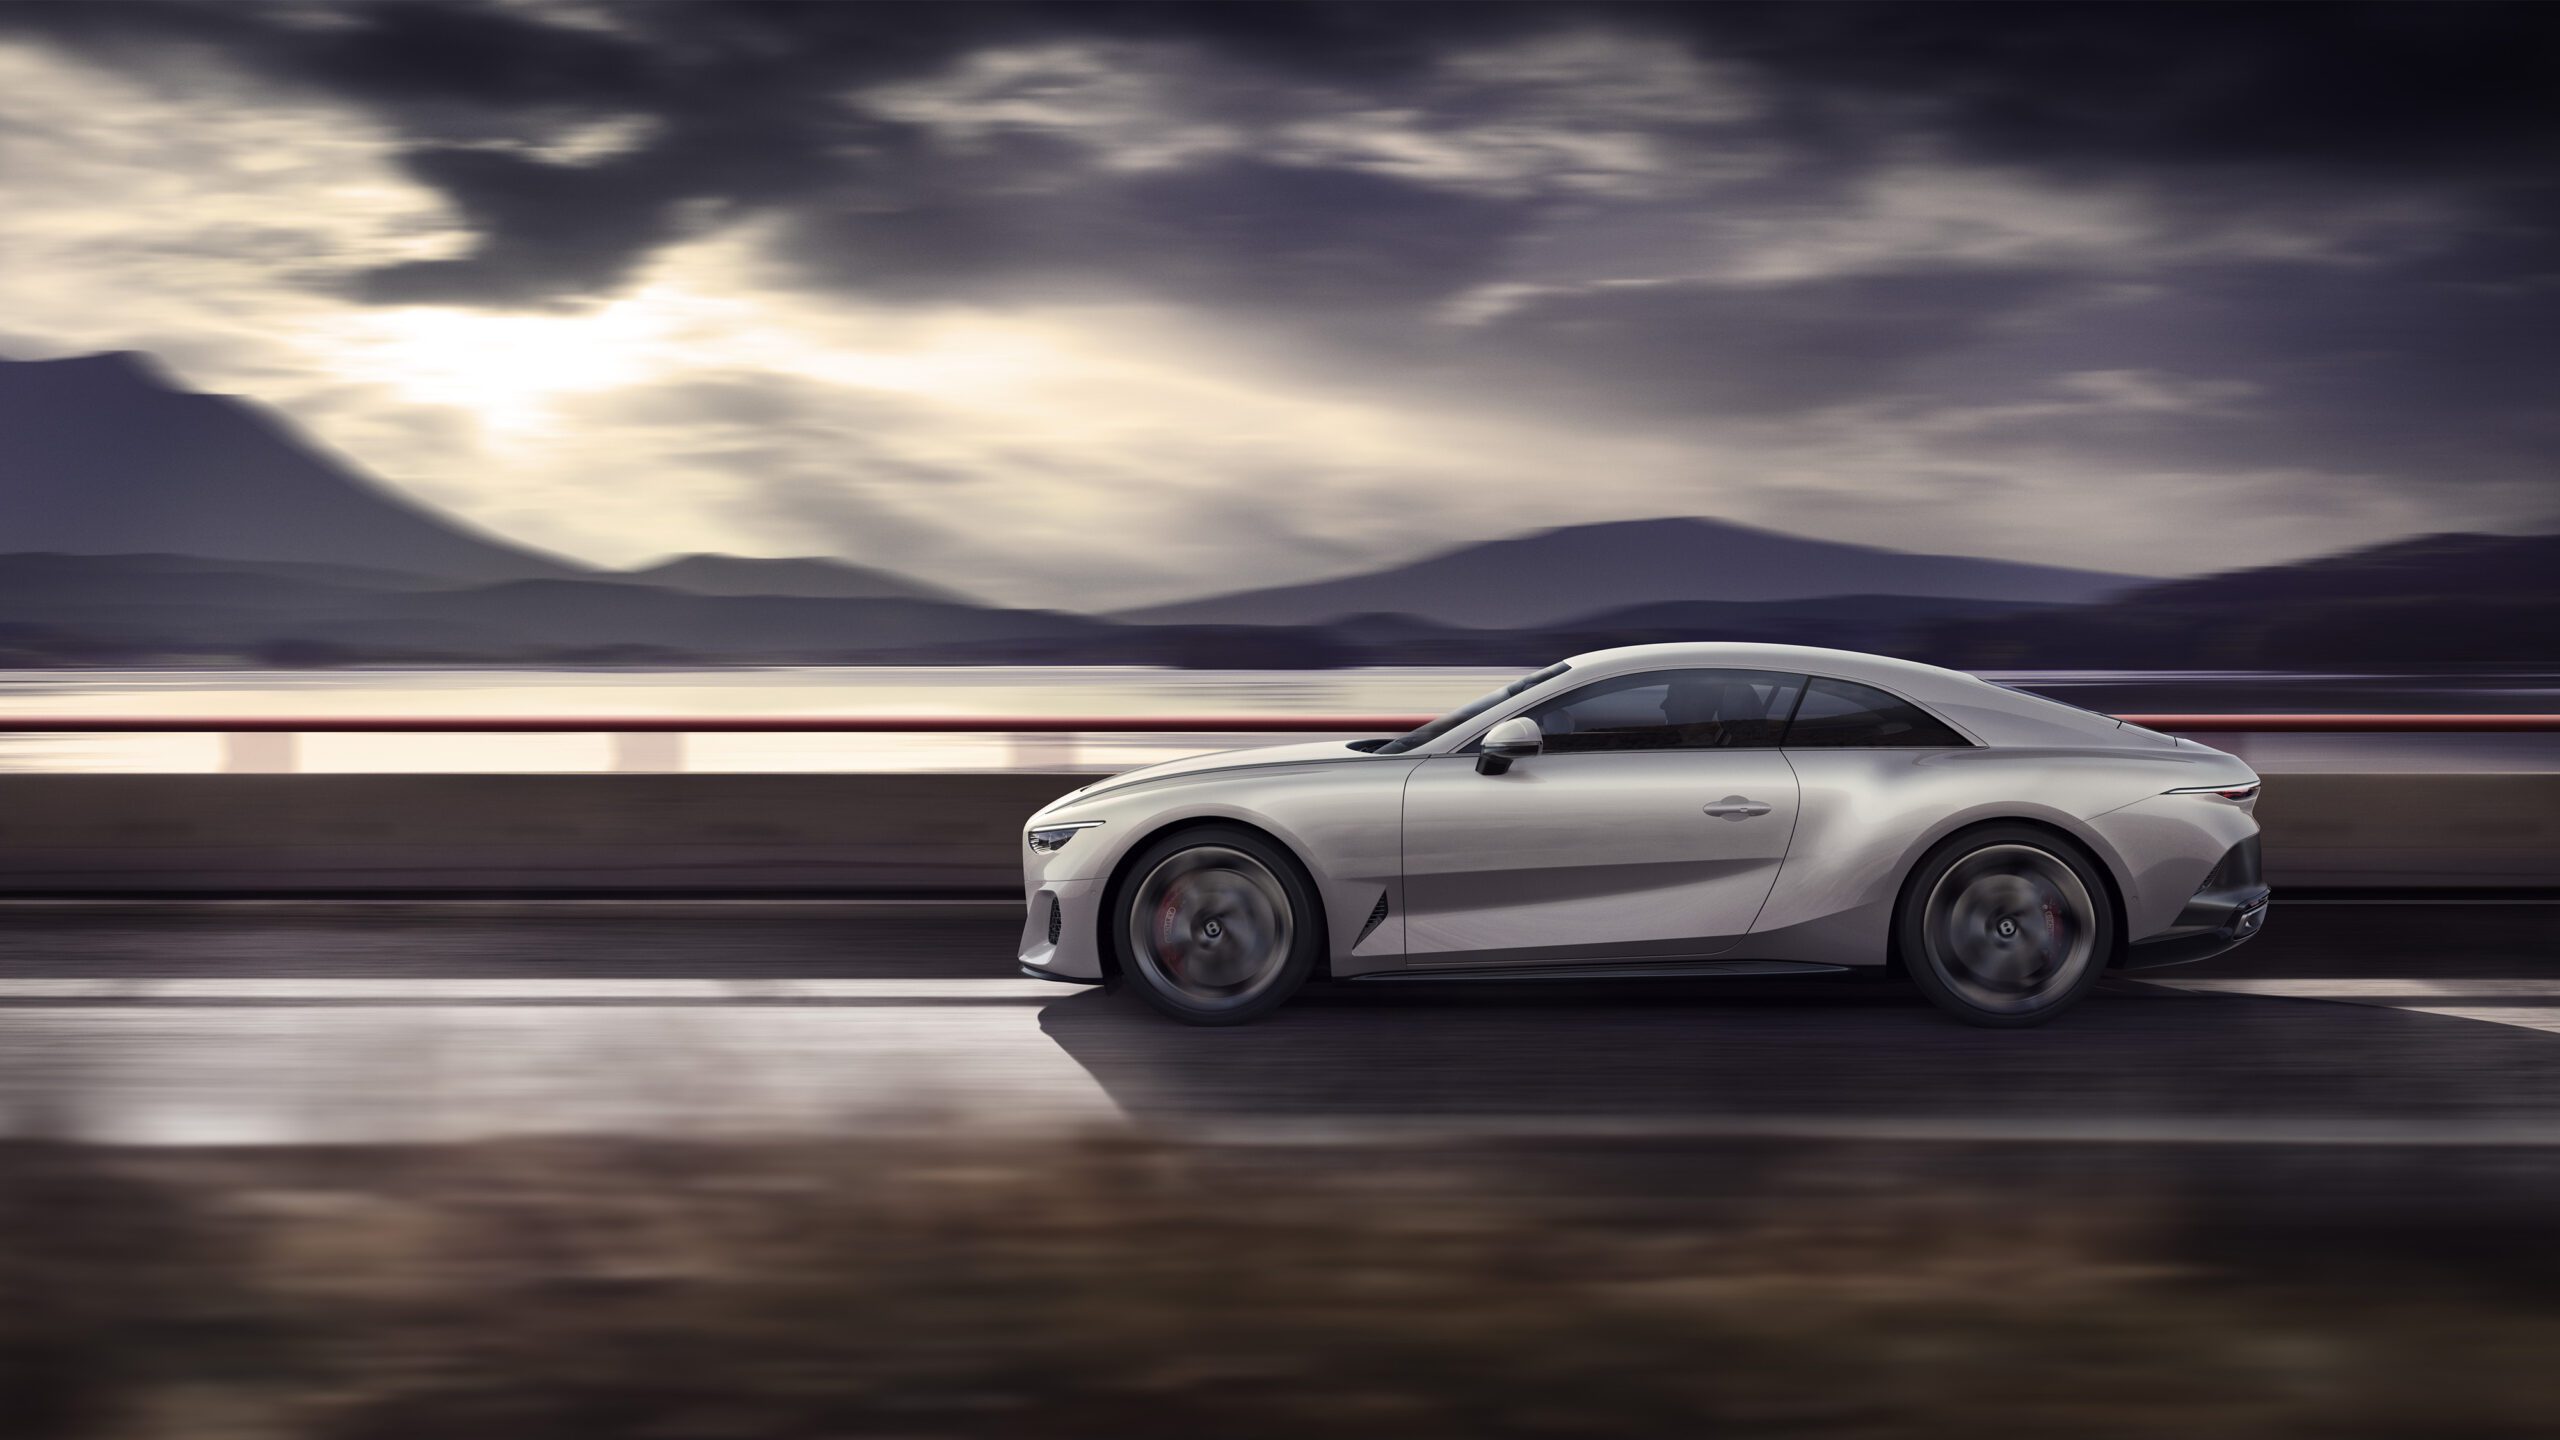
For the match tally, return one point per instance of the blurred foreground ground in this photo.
(354, 1023)
(819, 1170)
(539, 1290)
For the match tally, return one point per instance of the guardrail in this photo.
(275, 828)
(265, 744)
(707, 724)
(2336, 724)
(654, 744)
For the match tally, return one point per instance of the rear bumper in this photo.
(2229, 908)
(2236, 920)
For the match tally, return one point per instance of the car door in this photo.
(1651, 825)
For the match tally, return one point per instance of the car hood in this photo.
(1215, 760)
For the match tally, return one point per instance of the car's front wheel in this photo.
(2005, 926)
(1216, 926)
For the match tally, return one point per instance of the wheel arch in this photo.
(2100, 858)
(1106, 938)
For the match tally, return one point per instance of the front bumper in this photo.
(1059, 923)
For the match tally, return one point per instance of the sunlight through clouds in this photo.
(1072, 422)
(503, 369)
(1099, 314)
(167, 209)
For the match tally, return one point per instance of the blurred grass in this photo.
(1133, 1289)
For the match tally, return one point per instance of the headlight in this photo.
(1048, 839)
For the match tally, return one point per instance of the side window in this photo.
(1837, 714)
(1670, 710)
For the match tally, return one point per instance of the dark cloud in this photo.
(2326, 367)
(2270, 240)
(543, 232)
(1233, 230)
(1772, 349)
(2354, 88)
(748, 106)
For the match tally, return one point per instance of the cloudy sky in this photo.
(1114, 303)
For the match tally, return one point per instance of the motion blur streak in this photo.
(549, 550)
(569, 1169)
(268, 1023)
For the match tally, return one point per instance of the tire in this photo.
(2005, 926)
(1216, 925)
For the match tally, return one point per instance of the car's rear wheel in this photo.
(1216, 926)
(2005, 926)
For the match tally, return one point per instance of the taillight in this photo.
(2233, 793)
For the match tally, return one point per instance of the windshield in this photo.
(1470, 710)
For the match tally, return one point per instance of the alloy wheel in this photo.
(2009, 928)
(1211, 925)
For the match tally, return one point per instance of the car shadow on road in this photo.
(1712, 1052)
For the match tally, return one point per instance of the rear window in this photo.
(1841, 715)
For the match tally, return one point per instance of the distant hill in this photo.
(1553, 576)
(571, 614)
(810, 577)
(2447, 600)
(2435, 600)
(1887, 624)
(101, 455)
(30, 581)
(129, 609)
(1701, 619)
(2474, 566)
(1891, 624)
(140, 523)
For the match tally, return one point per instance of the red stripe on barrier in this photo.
(1066, 724)
(707, 724)
(2350, 724)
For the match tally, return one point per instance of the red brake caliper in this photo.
(1174, 956)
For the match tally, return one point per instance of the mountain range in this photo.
(142, 522)
(2429, 601)
(1553, 576)
(135, 609)
(101, 454)
(808, 577)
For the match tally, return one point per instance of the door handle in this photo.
(1734, 807)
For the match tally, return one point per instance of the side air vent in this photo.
(2239, 867)
(1377, 914)
(1056, 921)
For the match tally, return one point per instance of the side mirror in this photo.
(1514, 739)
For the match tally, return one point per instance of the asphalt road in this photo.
(277, 1022)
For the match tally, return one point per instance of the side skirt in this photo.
(1604, 970)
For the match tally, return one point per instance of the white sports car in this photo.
(1663, 810)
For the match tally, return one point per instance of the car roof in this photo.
(1797, 659)
(1991, 714)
